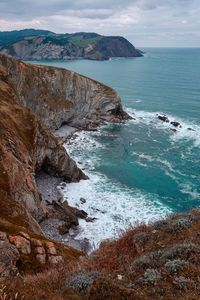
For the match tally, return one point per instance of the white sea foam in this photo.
(189, 189)
(182, 133)
(113, 205)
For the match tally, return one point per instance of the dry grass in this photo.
(147, 262)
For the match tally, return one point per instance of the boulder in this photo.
(175, 124)
(8, 259)
(55, 259)
(22, 244)
(41, 258)
(163, 118)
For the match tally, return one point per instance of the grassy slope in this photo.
(160, 261)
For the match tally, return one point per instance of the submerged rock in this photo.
(175, 124)
(163, 118)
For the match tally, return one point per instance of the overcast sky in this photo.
(143, 22)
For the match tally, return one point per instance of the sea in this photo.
(143, 170)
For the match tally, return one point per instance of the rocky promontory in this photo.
(58, 96)
(41, 44)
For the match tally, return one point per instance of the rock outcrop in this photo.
(34, 100)
(26, 146)
(48, 45)
(59, 96)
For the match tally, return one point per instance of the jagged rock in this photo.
(3, 236)
(36, 243)
(55, 259)
(163, 118)
(50, 248)
(90, 219)
(67, 216)
(63, 228)
(39, 250)
(26, 146)
(173, 129)
(8, 258)
(41, 258)
(22, 244)
(59, 96)
(82, 200)
(25, 235)
(175, 124)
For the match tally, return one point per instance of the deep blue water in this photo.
(141, 170)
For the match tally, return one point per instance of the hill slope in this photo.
(41, 44)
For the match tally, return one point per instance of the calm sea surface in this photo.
(142, 170)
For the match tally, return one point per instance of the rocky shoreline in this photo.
(61, 220)
(35, 101)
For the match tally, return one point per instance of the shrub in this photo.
(175, 265)
(182, 283)
(151, 277)
(143, 261)
(140, 237)
(160, 224)
(82, 280)
(182, 250)
(181, 224)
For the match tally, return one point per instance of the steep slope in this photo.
(59, 96)
(26, 146)
(33, 100)
(158, 261)
(9, 37)
(49, 45)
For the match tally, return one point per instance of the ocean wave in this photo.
(188, 130)
(190, 190)
(114, 206)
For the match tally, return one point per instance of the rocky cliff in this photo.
(27, 146)
(58, 96)
(48, 45)
(34, 100)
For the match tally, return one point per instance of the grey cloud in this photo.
(144, 22)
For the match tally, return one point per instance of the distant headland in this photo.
(35, 44)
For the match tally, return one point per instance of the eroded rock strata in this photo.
(58, 96)
(33, 101)
(42, 44)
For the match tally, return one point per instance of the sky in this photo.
(145, 23)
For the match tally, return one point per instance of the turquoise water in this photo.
(141, 170)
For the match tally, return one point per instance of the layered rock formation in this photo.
(34, 100)
(58, 96)
(48, 45)
(40, 44)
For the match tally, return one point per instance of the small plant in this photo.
(181, 224)
(143, 261)
(140, 237)
(175, 265)
(182, 283)
(81, 281)
(182, 250)
(151, 277)
(160, 224)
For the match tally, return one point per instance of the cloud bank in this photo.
(143, 22)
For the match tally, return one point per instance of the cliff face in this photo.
(33, 100)
(59, 96)
(26, 146)
(113, 46)
(48, 45)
